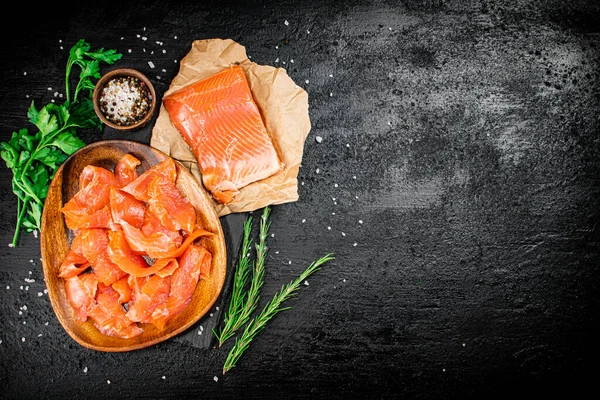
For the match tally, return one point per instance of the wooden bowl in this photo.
(119, 73)
(56, 238)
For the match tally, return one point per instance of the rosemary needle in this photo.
(268, 312)
(242, 304)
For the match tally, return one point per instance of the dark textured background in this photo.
(457, 183)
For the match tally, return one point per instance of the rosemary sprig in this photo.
(268, 312)
(239, 281)
(243, 304)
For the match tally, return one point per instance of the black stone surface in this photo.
(457, 184)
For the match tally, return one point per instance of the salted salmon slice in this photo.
(94, 247)
(147, 295)
(125, 207)
(183, 284)
(138, 188)
(110, 317)
(170, 206)
(122, 287)
(81, 293)
(88, 208)
(220, 121)
(74, 262)
(125, 170)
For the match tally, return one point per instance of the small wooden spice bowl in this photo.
(124, 99)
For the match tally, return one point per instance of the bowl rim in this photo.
(104, 79)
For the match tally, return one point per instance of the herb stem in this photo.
(21, 207)
(239, 281)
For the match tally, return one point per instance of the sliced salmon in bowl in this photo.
(106, 328)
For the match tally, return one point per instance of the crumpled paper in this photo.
(282, 103)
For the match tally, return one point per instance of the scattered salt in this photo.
(343, 234)
(354, 244)
(85, 370)
(286, 22)
(25, 73)
(164, 377)
(108, 381)
(306, 283)
(306, 81)
(216, 379)
(328, 228)
(319, 139)
(151, 64)
(360, 221)
(303, 221)
(22, 339)
(335, 185)
(317, 170)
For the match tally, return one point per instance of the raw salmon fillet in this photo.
(218, 118)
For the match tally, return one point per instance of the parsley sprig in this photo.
(34, 157)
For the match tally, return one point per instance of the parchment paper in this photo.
(282, 103)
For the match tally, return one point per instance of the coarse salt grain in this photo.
(151, 64)
(216, 379)
(319, 139)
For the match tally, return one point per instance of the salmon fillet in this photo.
(218, 118)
